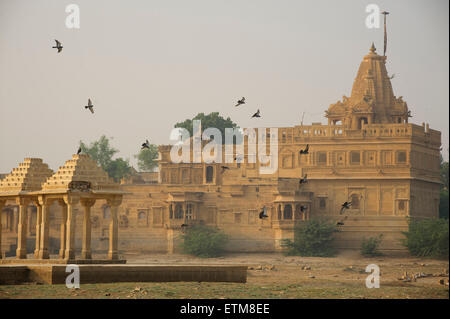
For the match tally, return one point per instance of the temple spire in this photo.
(385, 13)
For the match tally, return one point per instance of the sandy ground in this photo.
(269, 276)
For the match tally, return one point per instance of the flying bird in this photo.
(145, 145)
(345, 206)
(79, 151)
(58, 46)
(392, 76)
(241, 101)
(409, 113)
(256, 114)
(263, 214)
(304, 179)
(224, 168)
(306, 150)
(90, 106)
(303, 208)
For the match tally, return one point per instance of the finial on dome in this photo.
(372, 48)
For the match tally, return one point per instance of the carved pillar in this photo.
(70, 201)
(86, 249)
(38, 229)
(21, 251)
(2, 204)
(113, 252)
(63, 231)
(45, 226)
(282, 210)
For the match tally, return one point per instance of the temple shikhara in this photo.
(368, 153)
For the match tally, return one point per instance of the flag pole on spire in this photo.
(385, 13)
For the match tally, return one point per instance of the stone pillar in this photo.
(38, 229)
(21, 252)
(282, 211)
(45, 224)
(113, 252)
(70, 201)
(86, 249)
(63, 229)
(2, 204)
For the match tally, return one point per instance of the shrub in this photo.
(204, 241)
(427, 238)
(312, 238)
(369, 247)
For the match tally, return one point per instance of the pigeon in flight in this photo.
(303, 208)
(224, 168)
(58, 46)
(241, 101)
(256, 114)
(304, 179)
(409, 113)
(345, 206)
(306, 150)
(79, 151)
(263, 214)
(145, 145)
(90, 106)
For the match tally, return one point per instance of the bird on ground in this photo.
(339, 224)
(256, 114)
(90, 106)
(145, 145)
(345, 206)
(58, 46)
(79, 151)
(306, 150)
(304, 179)
(224, 168)
(241, 101)
(263, 214)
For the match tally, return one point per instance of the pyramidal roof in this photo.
(372, 92)
(28, 177)
(81, 168)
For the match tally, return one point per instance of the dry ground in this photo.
(338, 277)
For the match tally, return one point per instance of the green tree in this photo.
(147, 158)
(204, 241)
(211, 120)
(102, 152)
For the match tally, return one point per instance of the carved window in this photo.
(401, 205)
(322, 203)
(287, 214)
(355, 201)
(209, 174)
(401, 157)
(237, 218)
(355, 157)
(321, 158)
(189, 211)
(178, 211)
(106, 212)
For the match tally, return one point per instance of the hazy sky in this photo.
(149, 64)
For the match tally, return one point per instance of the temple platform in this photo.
(16, 261)
(104, 273)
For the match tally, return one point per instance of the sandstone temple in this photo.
(368, 153)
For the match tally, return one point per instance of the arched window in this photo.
(209, 174)
(287, 214)
(178, 211)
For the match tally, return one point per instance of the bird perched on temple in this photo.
(304, 179)
(145, 145)
(58, 46)
(263, 214)
(224, 168)
(241, 101)
(305, 151)
(345, 206)
(256, 114)
(392, 76)
(79, 151)
(90, 106)
(239, 157)
(408, 113)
